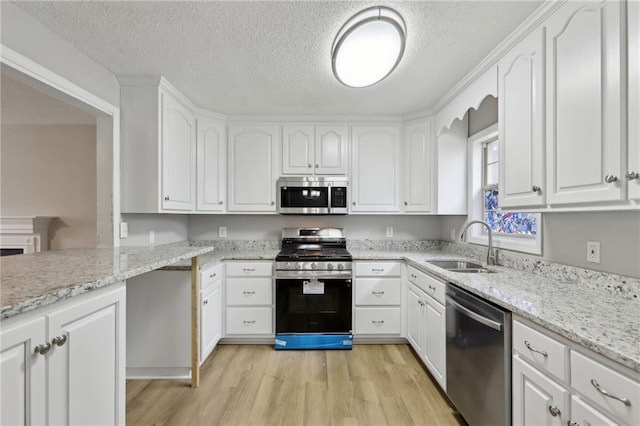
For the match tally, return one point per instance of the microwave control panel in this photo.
(339, 197)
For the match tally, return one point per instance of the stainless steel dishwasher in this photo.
(478, 358)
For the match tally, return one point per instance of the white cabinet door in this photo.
(435, 340)
(415, 319)
(521, 123)
(297, 150)
(417, 176)
(211, 320)
(23, 373)
(211, 165)
(584, 414)
(86, 372)
(375, 168)
(252, 168)
(331, 150)
(178, 155)
(584, 103)
(633, 60)
(536, 397)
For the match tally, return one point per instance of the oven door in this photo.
(314, 313)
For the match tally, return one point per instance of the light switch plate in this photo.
(593, 251)
(389, 231)
(222, 231)
(124, 230)
(152, 237)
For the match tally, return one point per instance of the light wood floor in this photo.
(257, 385)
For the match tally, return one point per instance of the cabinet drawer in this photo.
(377, 321)
(249, 320)
(249, 291)
(375, 269)
(533, 346)
(249, 269)
(210, 275)
(419, 278)
(378, 291)
(586, 373)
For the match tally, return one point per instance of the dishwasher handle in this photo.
(468, 312)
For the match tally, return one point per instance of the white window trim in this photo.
(475, 234)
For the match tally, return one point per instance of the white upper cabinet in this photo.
(309, 150)
(178, 155)
(633, 168)
(158, 148)
(253, 152)
(375, 167)
(585, 124)
(211, 165)
(417, 168)
(521, 123)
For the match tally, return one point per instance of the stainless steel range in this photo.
(313, 290)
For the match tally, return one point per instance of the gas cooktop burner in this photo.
(313, 249)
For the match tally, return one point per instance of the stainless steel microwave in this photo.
(312, 195)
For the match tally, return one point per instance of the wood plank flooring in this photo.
(257, 385)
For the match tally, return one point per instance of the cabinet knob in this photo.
(205, 302)
(317, 166)
(554, 411)
(309, 166)
(354, 203)
(406, 204)
(166, 198)
(632, 175)
(572, 423)
(536, 188)
(273, 203)
(59, 340)
(42, 348)
(220, 202)
(610, 178)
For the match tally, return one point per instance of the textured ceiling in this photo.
(23, 104)
(267, 57)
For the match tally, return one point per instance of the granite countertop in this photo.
(33, 280)
(603, 322)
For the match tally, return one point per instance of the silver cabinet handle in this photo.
(554, 411)
(377, 322)
(59, 340)
(625, 401)
(249, 292)
(248, 322)
(632, 175)
(205, 302)
(610, 178)
(536, 188)
(212, 275)
(532, 349)
(42, 348)
(308, 166)
(432, 288)
(570, 423)
(413, 276)
(249, 269)
(377, 269)
(377, 293)
(166, 198)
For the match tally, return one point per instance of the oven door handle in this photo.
(468, 312)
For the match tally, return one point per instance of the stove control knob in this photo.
(313, 266)
(297, 266)
(287, 265)
(340, 266)
(330, 266)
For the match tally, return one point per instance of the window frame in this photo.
(477, 234)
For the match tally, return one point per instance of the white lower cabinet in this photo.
(426, 322)
(248, 299)
(377, 298)
(210, 310)
(64, 364)
(594, 392)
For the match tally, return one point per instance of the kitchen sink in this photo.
(460, 266)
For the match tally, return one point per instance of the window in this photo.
(519, 231)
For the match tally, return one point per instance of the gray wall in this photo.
(168, 228)
(246, 227)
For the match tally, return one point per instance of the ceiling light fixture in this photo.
(368, 47)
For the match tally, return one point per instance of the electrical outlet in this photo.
(593, 251)
(124, 229)
(389, 231)
(222, 231)
(152, 237)
(452, 234)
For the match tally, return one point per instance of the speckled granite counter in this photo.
(34, 280)
(602, 320)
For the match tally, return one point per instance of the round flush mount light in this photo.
(368, 47)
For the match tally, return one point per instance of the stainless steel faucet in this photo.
(491, 255)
